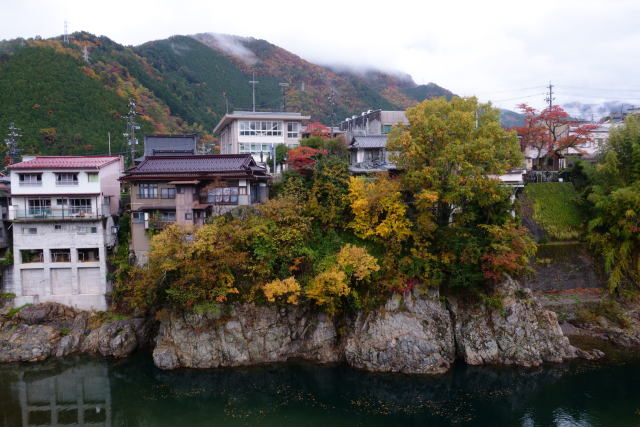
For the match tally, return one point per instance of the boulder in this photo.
(410, 334)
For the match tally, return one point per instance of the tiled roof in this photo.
(156, 144)
(194, 165)
(66, 162)
(375, 141)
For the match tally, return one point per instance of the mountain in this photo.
(68, 98)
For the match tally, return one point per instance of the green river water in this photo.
(86, 391)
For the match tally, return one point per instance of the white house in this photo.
(62, 211)
(258, 133)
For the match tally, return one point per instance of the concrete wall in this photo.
(50, 186)
(110, 185)
(79, 284)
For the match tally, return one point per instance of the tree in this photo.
(303, 159)
(318, 129)
(614, 230)
(551, 132)
(451, 153)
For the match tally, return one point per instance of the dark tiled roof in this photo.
(195, 165)
(156, 144)
(375, 141)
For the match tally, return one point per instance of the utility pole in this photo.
(109, 136)
(549, 99)
(65, 38)
(12, 144)
(132, 126)
(226, 101)
(253, 82)
(284, 87)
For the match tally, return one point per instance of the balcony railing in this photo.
(58, 213)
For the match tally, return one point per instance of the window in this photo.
(260, 128)
(92, 176)
(386, 128)
(39, 207)
(167, 193)
(188, 216)
(29, 230)
(168, 216)
(292, 130)
(58, 227)
(30, 179)
(66, 179)
(148, 191)
(80, 207)
(31, 255)
(60, 255)
(137, 217)
(223, 195)
(81, 229)
(62, 202)
(88, 255)
(242, 191)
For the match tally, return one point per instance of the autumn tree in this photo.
(451, 153)
(551, 132)
(303, 159)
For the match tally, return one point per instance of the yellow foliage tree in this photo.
(327, 287)
(357, 262)
(279, 289)
(378, 209)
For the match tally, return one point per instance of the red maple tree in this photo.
(303, 159)
(551, 132)
(318, 129)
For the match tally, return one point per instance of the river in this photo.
(89, 391)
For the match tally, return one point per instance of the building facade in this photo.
(372, 122)
(62, 213)
(258, 133)
(187, 190)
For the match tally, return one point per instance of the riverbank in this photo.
(415, 333)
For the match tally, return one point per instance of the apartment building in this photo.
(258, 133)
(187, 190)
(62, 213)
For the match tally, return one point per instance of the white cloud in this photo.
(493, 49)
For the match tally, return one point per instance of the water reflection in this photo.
(59, 394)
(135, 393)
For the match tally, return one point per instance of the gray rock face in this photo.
(41, 331)
(409, 335)
(28, 343)
(414, 333)
(521, 333)
(250, 335)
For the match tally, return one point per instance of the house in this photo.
(367, 138)
(169, 145)
(258, 133)
(369, 154)
(62, 213)
(592, 146)
(187, 190)
(372, 122)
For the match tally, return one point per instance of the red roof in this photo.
(66, 162)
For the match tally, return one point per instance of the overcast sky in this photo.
(506, 51)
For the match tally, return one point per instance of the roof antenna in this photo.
(253, 82)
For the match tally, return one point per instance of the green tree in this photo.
(614, 230)
(451, 153)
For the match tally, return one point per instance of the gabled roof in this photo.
(373, 141)
(161, 144)
(66, 162)
(195, 166)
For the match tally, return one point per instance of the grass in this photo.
(556, 209)
(16, 310)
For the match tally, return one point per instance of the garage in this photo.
(89, 280)
(32, 281)
(61, 281)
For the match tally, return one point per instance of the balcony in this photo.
(47, 213)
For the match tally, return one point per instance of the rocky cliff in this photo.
(413, 333)
(38, 332)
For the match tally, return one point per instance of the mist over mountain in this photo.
(594, 111)
(69, 98)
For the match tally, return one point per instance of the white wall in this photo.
(49, 185)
